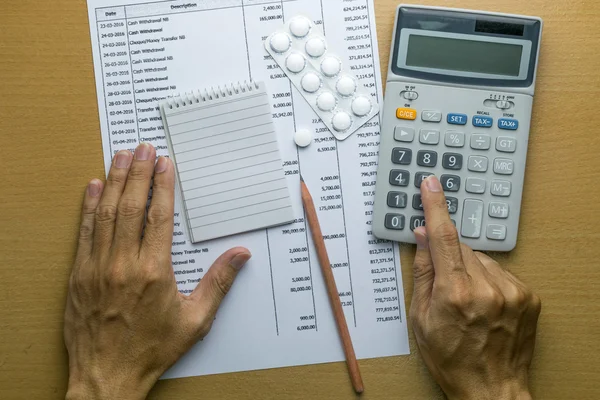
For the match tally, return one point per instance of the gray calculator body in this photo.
(458, 105)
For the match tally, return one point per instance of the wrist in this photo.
(508, 390)
(119, 387)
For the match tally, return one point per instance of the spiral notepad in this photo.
(227, 158)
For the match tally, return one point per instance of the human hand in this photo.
(125, 321)
(475, 322)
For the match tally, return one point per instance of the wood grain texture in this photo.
(51, 147)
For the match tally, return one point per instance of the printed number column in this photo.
(288, 245)
(118, 82)
(349, 24)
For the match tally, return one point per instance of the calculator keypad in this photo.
(399, 177)
(475, 154)
(427, 158)
(429, 136)
(401, 156)
(450, 183)
(481, 142)
(397, 199)
(420, 177)
(478, 164)
(452, 161)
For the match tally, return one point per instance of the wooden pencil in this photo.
(332, 292)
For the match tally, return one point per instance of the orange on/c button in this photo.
(406, 113)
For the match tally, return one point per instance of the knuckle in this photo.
(106, 213)
(139, 173)
(222, 284)
(159, 214)
(460, 299)
(86, 231)
(493, 299)
(131, 208)
(536, 303)
(116, 178)
(203, 329)
(116, 277)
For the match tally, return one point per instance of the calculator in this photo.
(458, 105)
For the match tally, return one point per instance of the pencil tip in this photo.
(301, 178)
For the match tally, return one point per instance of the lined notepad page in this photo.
(228, 162)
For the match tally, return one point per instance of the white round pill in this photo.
(281, 42)
(315, 47)
(303, 138)
(331, 66)
(326, 101)
(361, 106)
(300, 26)
(295, 62)
(311, 82)
(346, 86)
(342, 121)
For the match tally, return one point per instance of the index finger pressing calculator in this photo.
(458, 105)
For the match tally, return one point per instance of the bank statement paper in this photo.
(277, 313)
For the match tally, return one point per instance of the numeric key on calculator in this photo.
(427, 158)
(401, 156)
(452, 161)
(417, 202)
(450, 183)
(397, 199)
(420, 177)
(452, 203)
(399, 177)
(395, 221)
(416, 222)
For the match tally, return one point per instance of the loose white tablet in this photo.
(281, 42)
(346, 86)
(326, 101)
(342, 121)
(311, 82)
(295, 62)
(361, 106)
(331, 66)
(303, 138)
(300, 26)
(315, 47)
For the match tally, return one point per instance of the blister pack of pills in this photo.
(342, 102)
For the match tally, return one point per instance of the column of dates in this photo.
(358, 43)
(289, 263)
(118, 80)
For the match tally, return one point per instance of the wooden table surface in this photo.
(50, 148)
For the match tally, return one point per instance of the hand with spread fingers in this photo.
(474, 321)
(125, 321)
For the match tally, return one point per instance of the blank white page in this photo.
(228, 162)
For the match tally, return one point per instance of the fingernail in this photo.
(123, 159)
(161, 165)
(240, 260)
(94, 188)
(142, 153)
(421, 238)
(433, 184)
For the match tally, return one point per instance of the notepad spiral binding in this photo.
(200, 96)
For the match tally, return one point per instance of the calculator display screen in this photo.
(464, 55)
